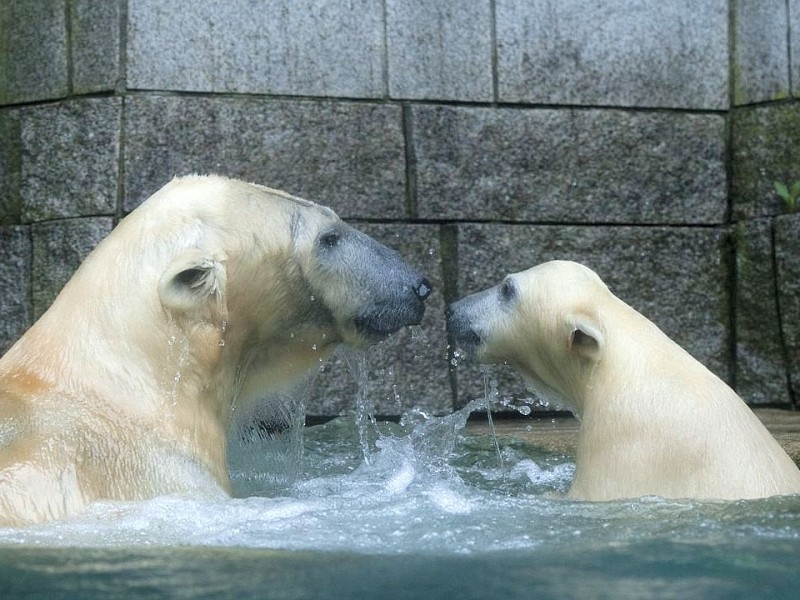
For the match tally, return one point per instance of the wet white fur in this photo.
(125, 388)
(654, 421)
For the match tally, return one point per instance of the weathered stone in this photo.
(59, 247)
(33, 51)
(794, 45)
(761, 371)
(346, 155)
(569, 165)
(410, 368)
(95, 40)
(297, 47)
(70, 157)
(614, 53)
(440, 50)
(787, 249)
(765, 148)
(678, 277)
(761, 57)
(15, 279)
(9, 168)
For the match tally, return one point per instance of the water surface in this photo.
(428, 513)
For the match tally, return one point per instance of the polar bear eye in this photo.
(329, 239)
(508, 291)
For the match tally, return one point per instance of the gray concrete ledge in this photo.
(560, 435)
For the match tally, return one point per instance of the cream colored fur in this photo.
(202, 299)
(654, 421)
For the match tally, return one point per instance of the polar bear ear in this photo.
(586, 337)
(192, 281)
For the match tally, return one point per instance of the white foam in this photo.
(449, 500)
(538, 475)
(402, 479)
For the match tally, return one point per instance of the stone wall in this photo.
(639, 136)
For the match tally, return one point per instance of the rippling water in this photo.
(430, 514)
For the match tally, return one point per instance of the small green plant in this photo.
(790, 195)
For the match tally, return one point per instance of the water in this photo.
(433, 514)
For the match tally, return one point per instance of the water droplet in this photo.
(312, 298)
(314, 347)
(221, 343)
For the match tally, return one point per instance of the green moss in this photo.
(766, 149)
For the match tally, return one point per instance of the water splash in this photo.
(365, 409)
(266, 446)
(490, 395)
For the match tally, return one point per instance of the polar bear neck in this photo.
(657, 422)
(639, 364)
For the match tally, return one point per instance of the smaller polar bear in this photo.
(654, 421)
(210, 295)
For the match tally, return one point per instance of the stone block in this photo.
(295, 47)
(95, 41)
(765, 148)
(9, 168)
(346, 155)
(15, 284)
(761, 370)
(578, 166)
(70, 158)
(59, 248)
(761, 55)
(678, 277)
(409, 369)
(787, 249)
(440, 50)
(615, 53)
(33, 51)
(794, 45)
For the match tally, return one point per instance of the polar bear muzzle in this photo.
(467, 319)
(371, 291)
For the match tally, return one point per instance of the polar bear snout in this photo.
(397, 307)
(463, 325)
(387, 293)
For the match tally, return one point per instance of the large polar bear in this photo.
(208, 295)
(654, 421)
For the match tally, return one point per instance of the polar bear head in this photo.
(285, 278)
(253, 284)
(543, 322)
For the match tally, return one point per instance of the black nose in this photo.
(423, 288)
